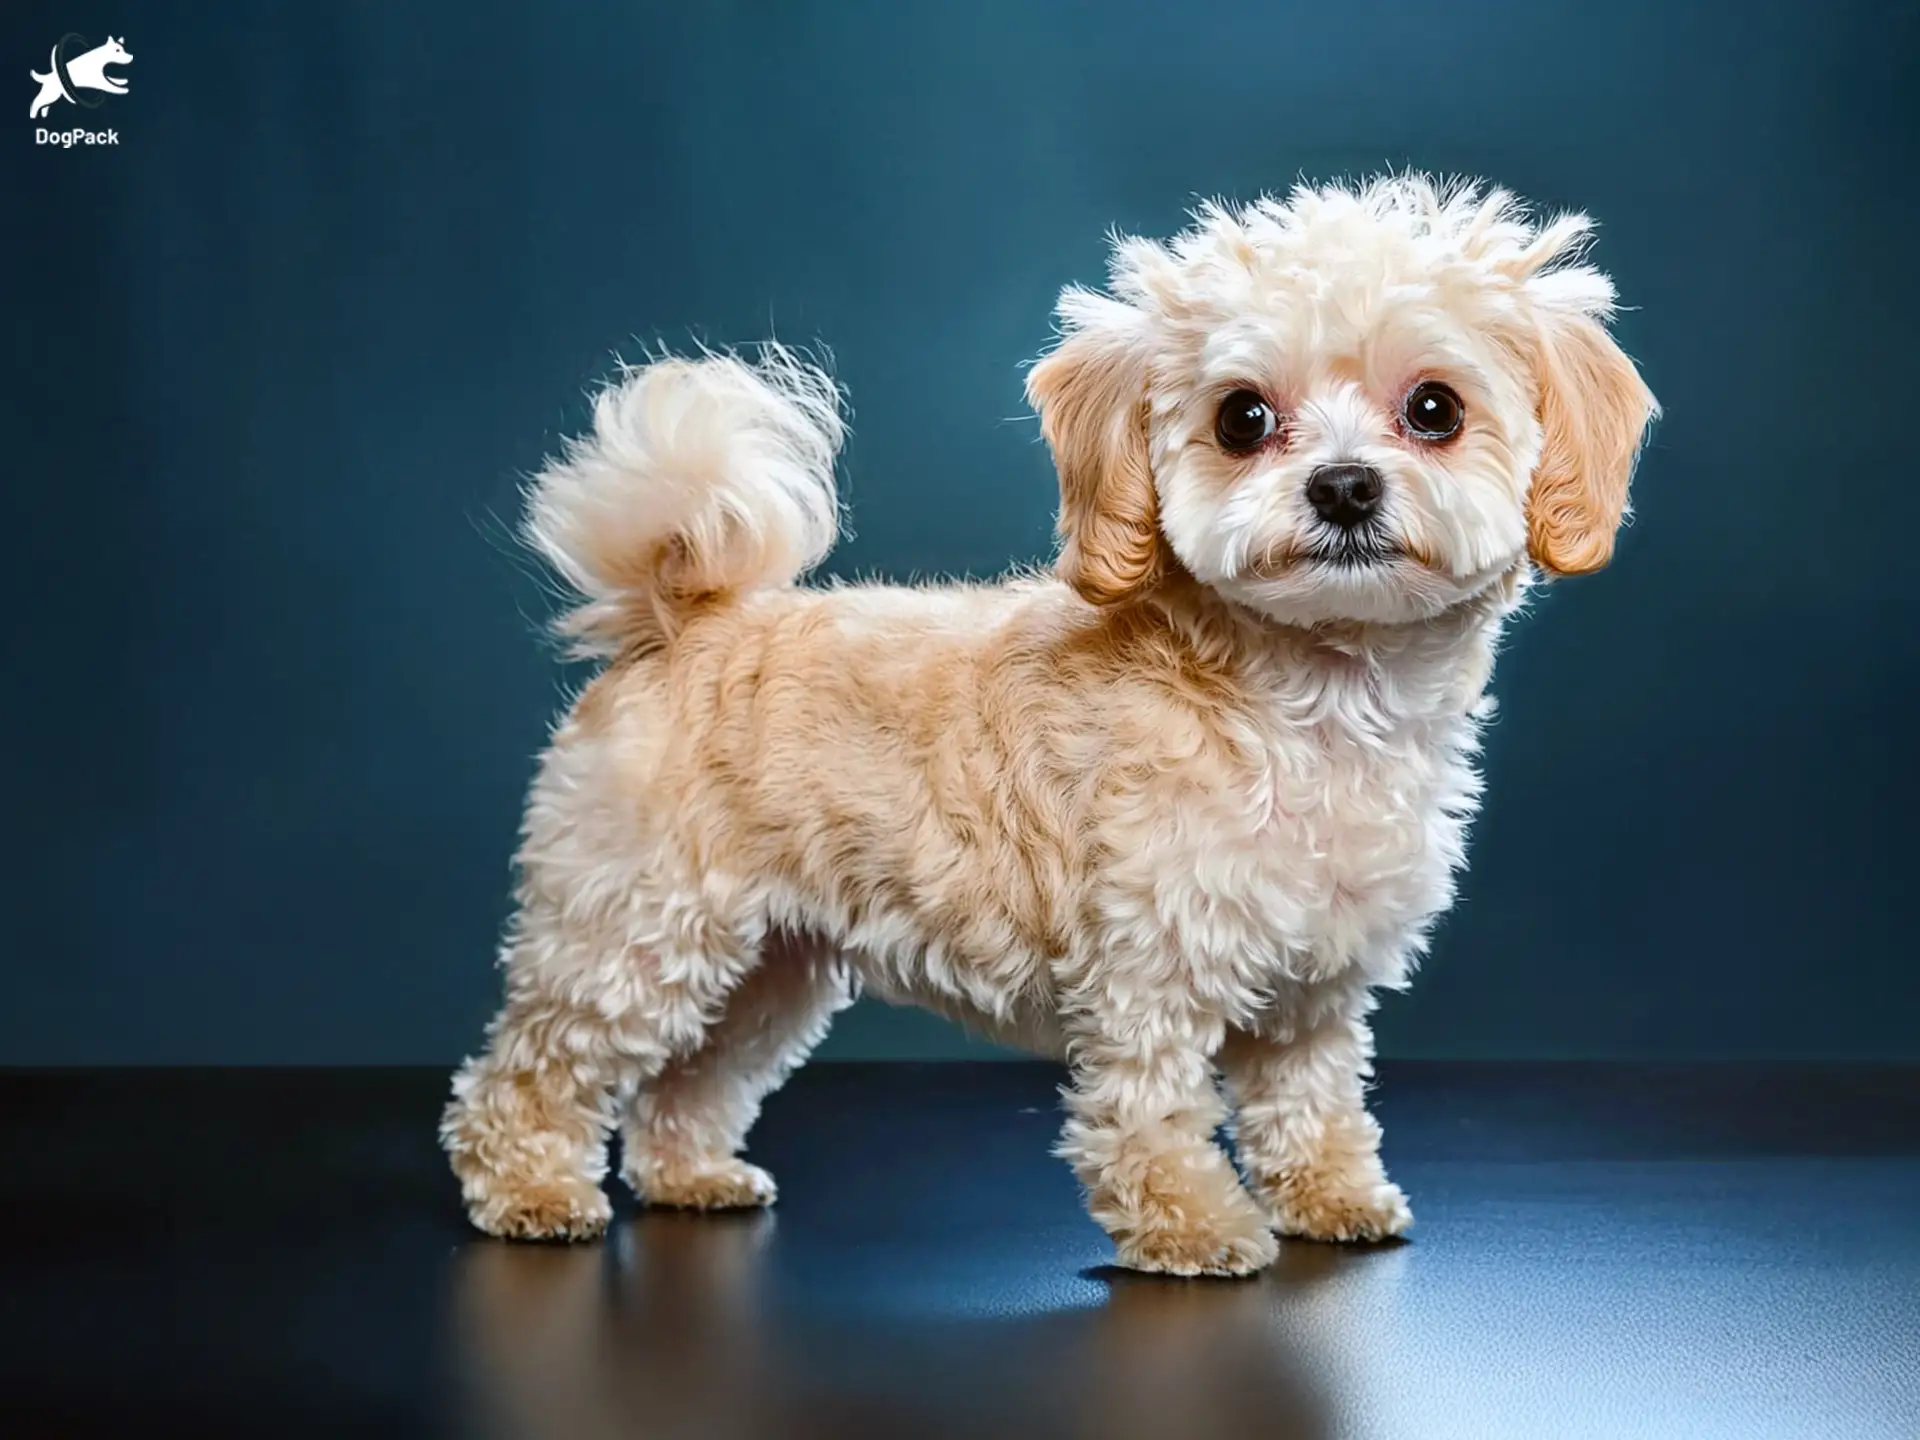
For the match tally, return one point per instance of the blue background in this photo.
(276, 363)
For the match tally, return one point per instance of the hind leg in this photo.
(589, 1011)
(527, 1128)
(682, 1138)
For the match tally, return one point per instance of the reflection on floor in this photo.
(1600, 1251)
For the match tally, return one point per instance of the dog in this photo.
(1172, 813)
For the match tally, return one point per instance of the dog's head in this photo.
(1360, 404)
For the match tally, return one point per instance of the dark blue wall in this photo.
(276, 361)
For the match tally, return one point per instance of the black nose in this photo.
(1345, 495)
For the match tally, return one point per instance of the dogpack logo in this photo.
(72, 71)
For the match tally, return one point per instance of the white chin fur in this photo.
(1388, 592)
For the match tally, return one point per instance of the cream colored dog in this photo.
(1171, 815)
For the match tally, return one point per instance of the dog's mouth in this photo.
(1354, 550)
(1345, 551)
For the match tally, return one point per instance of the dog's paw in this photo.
(543, 1210)
(1202, 1246)
(723, 1185)
(1364, 1211)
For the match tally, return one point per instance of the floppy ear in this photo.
(1595, 409)
(1091, 395)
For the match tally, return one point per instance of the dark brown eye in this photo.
(1433, 411)
(1245, 421)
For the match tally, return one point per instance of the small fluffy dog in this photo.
(1171, 814)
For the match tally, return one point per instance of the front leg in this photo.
(1310, 1149)
(1142, 1112)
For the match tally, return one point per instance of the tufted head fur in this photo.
(1331, 307)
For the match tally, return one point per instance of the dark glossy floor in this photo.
(1600, 1251)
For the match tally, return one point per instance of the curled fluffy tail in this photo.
(702, 479)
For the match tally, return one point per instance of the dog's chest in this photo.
(1345, 842)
